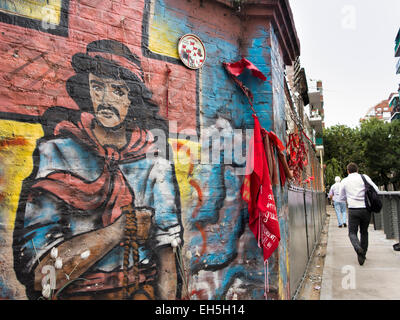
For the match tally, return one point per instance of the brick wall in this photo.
(192, 201)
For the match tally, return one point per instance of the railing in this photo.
(307, 213)
(388, 219)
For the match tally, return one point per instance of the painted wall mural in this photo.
(105, 191)
(93, 180)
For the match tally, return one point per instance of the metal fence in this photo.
(388, 219)
(307, 212)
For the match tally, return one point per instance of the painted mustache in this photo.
(109, 108)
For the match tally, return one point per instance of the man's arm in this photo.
(98, 242)
(342, 190)
(168, 226)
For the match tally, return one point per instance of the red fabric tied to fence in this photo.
(257, 192)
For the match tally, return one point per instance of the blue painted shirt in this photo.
(48, 221)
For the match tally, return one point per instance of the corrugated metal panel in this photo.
(298, 256)
(307, 211)
(311, 236)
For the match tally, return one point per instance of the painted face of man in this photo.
(110, 100)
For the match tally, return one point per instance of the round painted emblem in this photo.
(192, 51)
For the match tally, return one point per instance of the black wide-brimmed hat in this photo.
(107, 52)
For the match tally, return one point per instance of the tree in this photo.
(333, 169)
(344, 145)
(374, 147)
(377, 151)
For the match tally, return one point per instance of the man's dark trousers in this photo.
(359, 218)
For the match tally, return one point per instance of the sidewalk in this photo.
(344, 279)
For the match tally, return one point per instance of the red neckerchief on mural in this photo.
(257, 192)
(110, 190)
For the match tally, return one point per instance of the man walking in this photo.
(339, 203)
(353, 189)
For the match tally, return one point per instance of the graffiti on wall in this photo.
(114, 200)
(223, 256)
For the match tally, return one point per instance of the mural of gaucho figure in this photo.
(111, 211)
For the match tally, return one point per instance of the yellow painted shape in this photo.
(16, 163)
(34, 9)
(281, 291)
(185, 152)
(163, 38)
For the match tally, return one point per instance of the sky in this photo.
(349, 45)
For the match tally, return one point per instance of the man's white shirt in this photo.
(334, 192)
(353, 189)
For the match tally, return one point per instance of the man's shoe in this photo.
(361, 256)
(340, 226)
(361, 259)
(344, 225)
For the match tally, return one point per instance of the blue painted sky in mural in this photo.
(349, 44)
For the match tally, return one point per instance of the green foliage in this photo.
(374, 146)
(377, 156)
(344, 145)
(333, 169)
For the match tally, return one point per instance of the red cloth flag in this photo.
(257, 192)
(237, 68)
